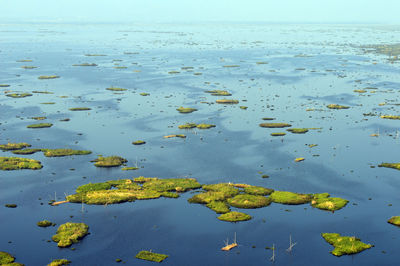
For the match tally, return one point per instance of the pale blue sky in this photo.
(315, 11)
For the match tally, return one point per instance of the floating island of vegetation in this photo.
(234, 217)
(45, 223)
(14, 146)
(110, 161)
(184, 110)
(70, 233)
(337, 106)
(115, 89)
(345, 245)
(390, 165)
(7, 259)
(218, 92)
(18, 95)
(16, 163)
(63, 152)
(278, 134)
(4, 85)
(393, 117)
(193, 125)
(49, 77)
(227, 101)
(26, 151)
(175, 136)
(59, 262)
(85, 64)
(275, 125)
(40, 125)
(139, 142)
(80, 109)
(395, 220)
(298, 130)
(39, 118)
(144, 94)
(151, 256)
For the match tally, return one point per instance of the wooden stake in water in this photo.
(228, 246)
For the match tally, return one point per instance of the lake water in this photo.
(303, 67)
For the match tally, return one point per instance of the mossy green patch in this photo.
(393, 117)
(325, 202)
(261, 191)
(139, 142)
(278, 134)
(187, 126)
(247, 201)
(209, 196)
(218, 92)
(395, 220)
(40, 125)
(111, 161)
(275, 125)
(234, 217)
(129, 168)
(390, 165)
(44, 223)
(14, 146)
(227, 101)
(151, 256)
(345, 245)
(70, 233)
(93, 187)
(49, 77)
(227, 188)
(16, 163)
(26, 151)
(59, 262)
(184, 110)
(6, 258)
(64, 152)
(18, 95)
(218, 206)
(144, 94)
(297, 130)
(290, 198)
(172, 184)
(115, 89)
(103, 197)
(39, 118)
(205, 126)
(80, 109)
(337, 106)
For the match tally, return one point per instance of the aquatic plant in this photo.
(93, 187)
(290, 198)
(7, 259)
(393, 117)
(260, 191)
(151, 256)
(205, 126)
(85, 64)
(139, 142)
(116, 89)
(247, 201)
(39, 118)
(218, 206)
(390, 165)
(14, 146)
(218, 92)
(172, 184)
(395, 220)
(4, 85)
(49, 77)
(175, 136)
(243, 107)
(111, 161)
(10, 205)
(297, 130)
(337, 106)
(44, 223)
(275, 125)
(300, 159)
(323, 201)
(227, 101)
(234, 217)
(278, 134)
(16, 163)
(18, 95)
(63, 152)
(59, 262)
(345, 245)
(184, 110)
(80, 109)
(70, 233)
(40, 125)
(144, 94)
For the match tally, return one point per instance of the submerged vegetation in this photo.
(16, 163)
(70, 233)
(345, 245)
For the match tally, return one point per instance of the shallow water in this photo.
(236, 150)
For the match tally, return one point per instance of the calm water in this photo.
(236, 150)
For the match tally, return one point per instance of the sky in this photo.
(188, 11)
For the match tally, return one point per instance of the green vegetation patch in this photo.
(93, 187)
(345, 245)
(4, 85)
(337, 106)
(172, 184)
(219, 206)
(275, 125)
(116, 89)
(44, 223)
(111, 161)
(16, 163)
(278, 134)
(85, 64)
(26, 151)
(144, 94)
(297, 130)
(80, 109)
(323, 201)
(14, 146)
(129, 168)
(139, 142)
(218, 92)
(227, 101)
(59, 262)
(64, 152)
(40, 125)
(49, 77)
(290, 198)
(395, 220)
(151, 256)
(393, 117)
(70, 233)
(187, 126)
(6, 258)
(184, 110)
(205, 126)
(103, 197)
(247, 201)
(227, 188)
(18, 95)
(260, 191)
(39, 118)
(390, 165)
(234, 217)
